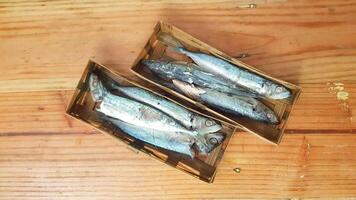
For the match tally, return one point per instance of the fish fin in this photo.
(180, 62)
(165, 82)
(116, 86)
(193, 65)
(97, 89)
(191, 153)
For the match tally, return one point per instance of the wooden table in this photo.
(45, 46)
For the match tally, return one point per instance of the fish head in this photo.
(98, 91)
(205, 125)
(264, 113)
(208, 142)
(276, 91)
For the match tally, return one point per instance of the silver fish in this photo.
(131, 111)
(246, 106)
(237, 75)
(178, 142)
(188, 72)
(190, 120)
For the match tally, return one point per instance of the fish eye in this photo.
(209, 122)
(269, 115)
(213, 140)
(279, 89)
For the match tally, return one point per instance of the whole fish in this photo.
(237, 75)
(189, 73)
(131, 111)
(178, 142)
(246, 106)
(190, 120)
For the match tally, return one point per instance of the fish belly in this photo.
(138, 114)
(178, 142)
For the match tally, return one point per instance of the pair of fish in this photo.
(189, 72)
(155, 120)
(250, 80)
(212, 90)
(219, 83)
(230, 72)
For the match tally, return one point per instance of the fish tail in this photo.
(97, 89)
(173, 42)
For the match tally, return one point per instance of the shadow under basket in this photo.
(82, 107)
(159, 49)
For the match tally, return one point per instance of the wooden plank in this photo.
(37, 112)
(321, 107)
(318, 110)
(45, 45)
(96, 167)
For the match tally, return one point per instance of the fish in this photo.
(188, 119)
(175, 141)
(188, 72)
(131, 111)
(237, 75)
(245, 106)
(233, 73)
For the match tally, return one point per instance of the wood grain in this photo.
(317, 110)
(37, 113)
(96, 167)
(45, 46)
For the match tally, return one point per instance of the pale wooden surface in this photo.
(45, 46)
